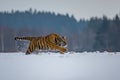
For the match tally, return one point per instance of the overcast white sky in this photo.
(79, 8)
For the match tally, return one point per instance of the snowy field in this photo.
(55, 66)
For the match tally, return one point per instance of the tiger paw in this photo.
(63, 50)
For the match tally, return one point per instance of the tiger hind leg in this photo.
(30, 49)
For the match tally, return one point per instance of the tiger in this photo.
(51, 41)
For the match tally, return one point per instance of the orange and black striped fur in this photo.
(50, 42)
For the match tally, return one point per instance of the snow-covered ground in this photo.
(55, 66)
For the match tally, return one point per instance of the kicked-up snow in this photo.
(55, 66)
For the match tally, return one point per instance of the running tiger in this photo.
(50, 42)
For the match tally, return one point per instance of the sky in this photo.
(78, 8)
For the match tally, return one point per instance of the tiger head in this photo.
(58, 40)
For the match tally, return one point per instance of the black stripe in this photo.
(44, 47)
(39, 44)
(41, 41)
(47, 42)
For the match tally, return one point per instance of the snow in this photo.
(55, 66)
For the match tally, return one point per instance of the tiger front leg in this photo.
(59, 48)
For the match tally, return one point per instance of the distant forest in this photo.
(95, 34)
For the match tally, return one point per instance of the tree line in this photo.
(95, 34)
